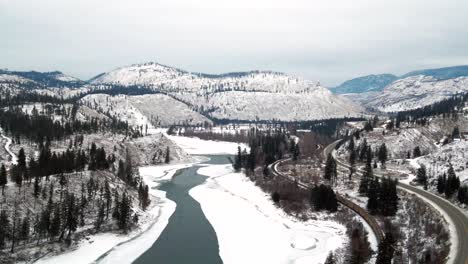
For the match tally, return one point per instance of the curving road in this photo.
(457, 218)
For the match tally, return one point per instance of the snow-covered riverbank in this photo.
(119, 248)
(251, 229)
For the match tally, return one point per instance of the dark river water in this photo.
(188, 237)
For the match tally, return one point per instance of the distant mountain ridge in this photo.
(47, 79)
(369, 83)
(376, 83)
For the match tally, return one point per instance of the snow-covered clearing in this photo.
(251, 229)
(131, 246)
(197, 146)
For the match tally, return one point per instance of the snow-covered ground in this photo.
(251, 229)
(196, 146)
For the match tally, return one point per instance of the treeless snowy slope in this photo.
(164, 110)
(251, 229)
(316, 104)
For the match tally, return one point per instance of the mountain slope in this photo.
(364, 84)
(416, 92)
(247, 96)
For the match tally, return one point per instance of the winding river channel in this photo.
(188, 237)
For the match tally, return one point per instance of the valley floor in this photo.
(249, 227)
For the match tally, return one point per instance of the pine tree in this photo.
(382, 154)
(421, 176)
(124, 213)
(295, 151)
(108, 197)
(3, 178)
(56, 223)
(238, 160)
(373, 194)
(4, 227)
(25, 226)
(416, 152)
(386, 250)
(363, 150)
(330, 259)
(441, 182)
(388, 197)
(167, 159)
(100, 217)
(463, 195)
(21, 161)
(366, 178)
(330, 168)
(453, 182)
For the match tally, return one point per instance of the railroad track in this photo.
(370, 220)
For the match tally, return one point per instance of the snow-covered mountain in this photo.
(253, 95)
(169, 79)
(414, 92)
(369, 83)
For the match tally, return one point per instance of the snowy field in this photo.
(251, 229)
(196, 146)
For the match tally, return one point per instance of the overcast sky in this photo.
(325, 40)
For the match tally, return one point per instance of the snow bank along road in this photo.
(378, 233)
(457, 219)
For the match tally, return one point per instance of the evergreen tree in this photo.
(100, 217)
(330, 259)
(107, 197)
(388, 197)
(323, 198)
(453, 182)
(25, 226)
(295, 151)
(21, 162)
(456, 132)
(3, 178)
(4, 227)
(382, 154)
(330, 168)
(416, 152)
(421, 176)
(238, 160)
(167, 159)
(124, 213)
(56, 223)
(373, 194)
(463, 195)
(386, 250)
(366, 178)
(363, 150)
(441, 181)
